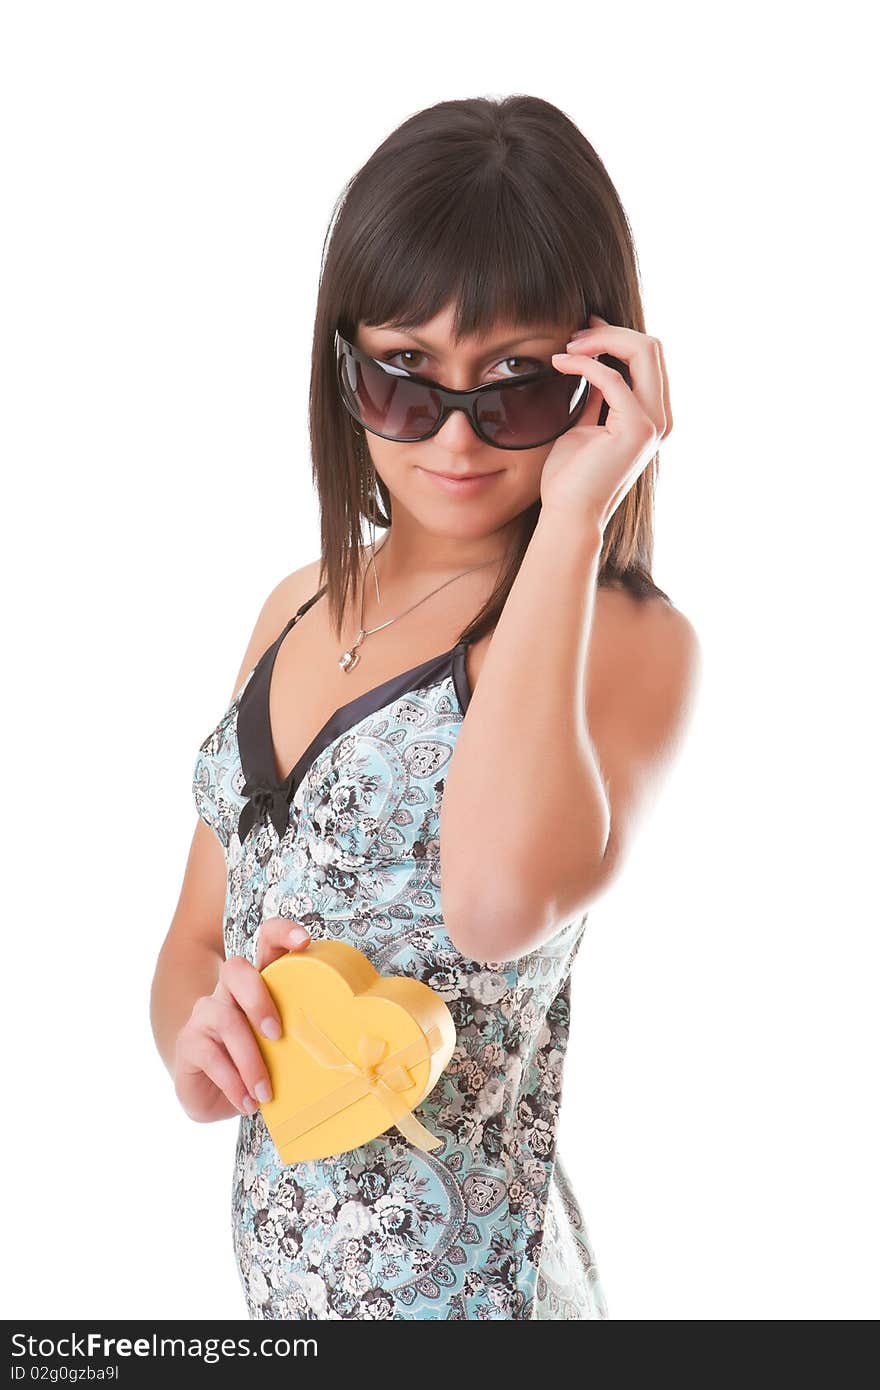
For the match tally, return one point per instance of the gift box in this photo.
(358, 1051)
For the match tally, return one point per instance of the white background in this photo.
(168, 172)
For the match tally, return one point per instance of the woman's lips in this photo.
(459, 485)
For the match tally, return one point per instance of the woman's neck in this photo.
(429, 558)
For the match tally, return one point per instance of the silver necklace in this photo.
(350, 658)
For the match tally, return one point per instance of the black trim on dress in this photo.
(267, 797)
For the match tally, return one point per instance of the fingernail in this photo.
(297, 935)
(559, 354)
(263, 1091)
(270, 1028)
(249, 1105)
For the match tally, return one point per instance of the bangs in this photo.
(482, 249)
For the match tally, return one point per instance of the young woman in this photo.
(479, 280)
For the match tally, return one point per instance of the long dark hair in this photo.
(503, 208)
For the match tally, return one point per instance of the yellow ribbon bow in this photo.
(374, 1074)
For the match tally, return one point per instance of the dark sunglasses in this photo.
(519, 413)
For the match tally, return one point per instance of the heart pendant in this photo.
(350, 659)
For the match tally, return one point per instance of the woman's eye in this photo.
(405, 352)
(526, 364)
(529, 364)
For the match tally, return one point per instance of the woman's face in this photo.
(411, 472)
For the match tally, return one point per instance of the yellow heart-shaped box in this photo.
(358, 1050)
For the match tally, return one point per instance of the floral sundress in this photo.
(487, 1225)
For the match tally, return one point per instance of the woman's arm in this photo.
(192, 952)
(574, 715)
(524, 800)
(559, 750)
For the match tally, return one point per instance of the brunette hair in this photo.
(503, 208)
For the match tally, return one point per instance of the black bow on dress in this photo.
(265, 801)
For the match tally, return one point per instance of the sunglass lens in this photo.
(534, 413)
(389, 405)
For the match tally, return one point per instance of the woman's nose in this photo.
(457, 433)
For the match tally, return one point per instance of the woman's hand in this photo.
(218, 1067)
(591, 468)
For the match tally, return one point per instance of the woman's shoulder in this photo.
(291, 592)
(277, 610)
(646, 663)
(636, 620)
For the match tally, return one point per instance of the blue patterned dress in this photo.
(485, 1226)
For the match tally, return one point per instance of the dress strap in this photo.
(253, 729)
(308, 603)
(271, 651)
